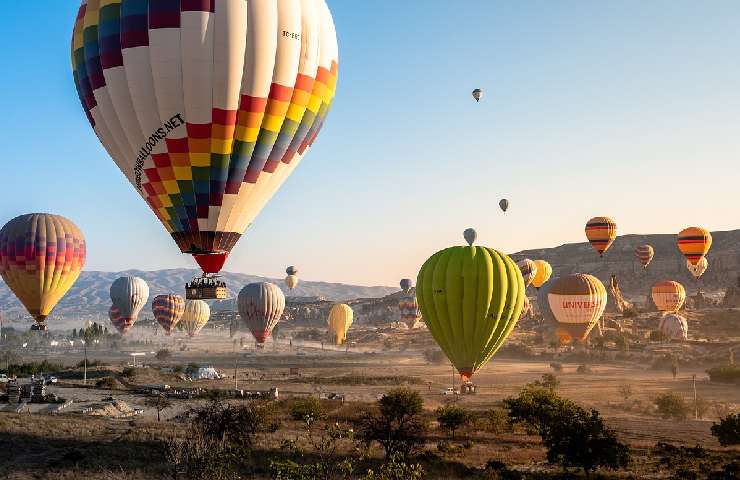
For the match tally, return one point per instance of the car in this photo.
(3, 378)
(448, 391)
(51, 379)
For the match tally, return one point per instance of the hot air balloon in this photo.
(195, 316)
(470, 236)
(340, 319)
(544, 271)
(543, 304)
(41, 257)
(645, 254)
(471, 298)
(120, 323)
(409, 308)
(504, 204)
(291, 281)
(261, 305)
(577, 301)
(674, 327)
(668, 296)
(528, 269)
(168, 310)
(129, 295)
(477, 94)
(601, 232)
(205, 106)
(694, 243)
(698, 270)
(406, 285)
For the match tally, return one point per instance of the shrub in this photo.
(725, 374)
(239, 425)
(548, 381)
(727, 430)
(306, 410)
(108, 383)
(496, 420)
(574, 437)
(452, 417)
(397, 426)
(671, 405)
(163, 355)
(584, 369)
(129, 372)
(396, 469)
(198, 457)
(625, 390)
(558, 367)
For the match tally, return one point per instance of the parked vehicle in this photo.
(3, 378)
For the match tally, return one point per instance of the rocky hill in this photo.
(90, 294)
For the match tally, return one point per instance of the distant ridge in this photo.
(90, 294)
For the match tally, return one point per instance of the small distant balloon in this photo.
(504, 204)
(291, 281)
(698, 270)
(542, 274)
(645, 254)
(477, 94)
(470, 236)
(601, 233)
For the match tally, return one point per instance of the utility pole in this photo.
(236, 368)
(696, 406)
(84, 377)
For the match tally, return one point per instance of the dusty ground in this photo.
(72, 444)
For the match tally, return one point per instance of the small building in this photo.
(204, 373)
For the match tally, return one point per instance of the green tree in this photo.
(160, 402)
(727, 430)
(397, 425)
(452, 417)
(672, 405)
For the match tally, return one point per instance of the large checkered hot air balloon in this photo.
(206, 106)
(41, 257)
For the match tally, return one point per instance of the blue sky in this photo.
(627, 109)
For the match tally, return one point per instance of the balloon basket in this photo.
(468, 389)
(206, 288)
(39, 327)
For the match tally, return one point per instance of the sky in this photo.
(626, 108)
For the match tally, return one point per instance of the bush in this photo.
(548, 381)
(236, 424)
(452, 417)
(108, 383)
(625, 390)
(574, 437)
(32, 368)
(727, 430)
(396, 469)
(558, 367)
(725, 374)
(163, 355)
(435, 356)
(307, 410)
(397, 426)
(496, 420)
(129, 372)
(671, 405)
(584, 369)
(198, 457)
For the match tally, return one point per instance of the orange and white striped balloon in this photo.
(577, 302)
(694, 243)
(601, 233)
(668, 296)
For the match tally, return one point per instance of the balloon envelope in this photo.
(674, 327)
(120, 323)
(544, 272)
(291, 281)
(261, 305)
(477, 94)
(668, 296)
(645, 254)
(339, 321)
(195, 316)
(205, 106)
(694, 243)
(129, 295)
(470, 236)
(168, 310)
(409, 308)
(291, 270)
(41, 257)
(471, 299)
(406, 284)
(577, 302)
(698, 270)
(601, 232)
(504, 204)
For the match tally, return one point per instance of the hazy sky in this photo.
(622, 108)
